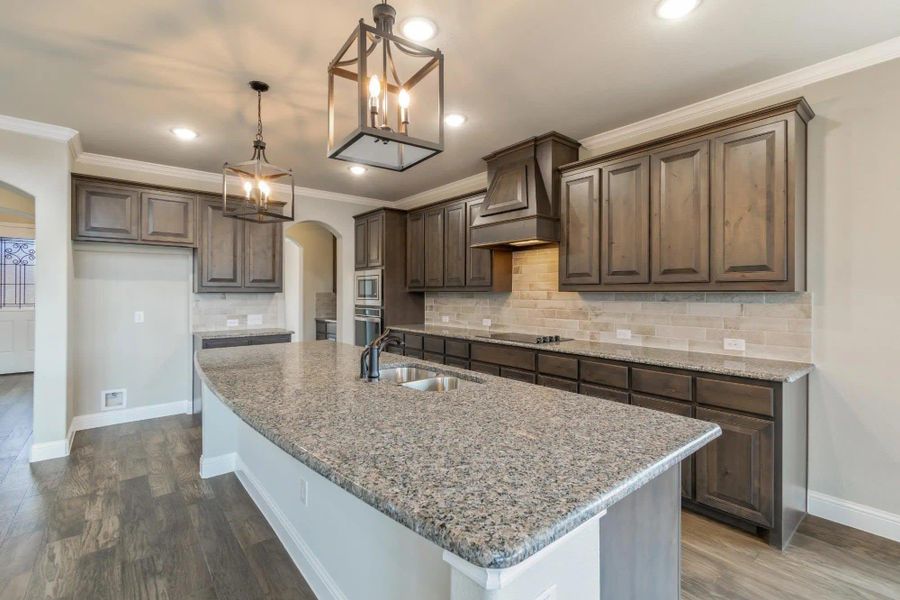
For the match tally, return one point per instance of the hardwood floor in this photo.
(126, 515)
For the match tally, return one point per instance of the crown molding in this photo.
(454, 188)
(37, 129)
(840, 65)
(206, 177)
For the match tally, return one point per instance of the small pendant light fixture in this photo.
(253, 198)
(382, 133)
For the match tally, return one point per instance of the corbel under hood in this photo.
(521, 207)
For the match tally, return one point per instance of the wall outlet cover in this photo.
(113, 399)
(138, 316)
(445, 319)
(623, 334)
(254, 319)
(232, 323)
(735, 344)
(485, 322)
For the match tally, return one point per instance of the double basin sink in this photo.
(417, 378)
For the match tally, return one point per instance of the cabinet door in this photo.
(735, 472)
(675, 408)
(579, 247)
(479, 261)
(455, 245)
(375, 241)
(168, 217)
(106, 212)
(415, 250)
(625, 222)
(219, 264)
(434, 247)
(679, 220)
(262, 256)
(749, 204)
(360, 244)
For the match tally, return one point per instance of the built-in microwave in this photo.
(368, 288)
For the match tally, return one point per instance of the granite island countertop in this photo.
(493, 471)
(240, 332)
(722, 364)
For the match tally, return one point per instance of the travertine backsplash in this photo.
(775, 325)
(212, 311)
(326, 305)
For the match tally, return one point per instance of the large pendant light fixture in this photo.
(249, 195)
(381, 132)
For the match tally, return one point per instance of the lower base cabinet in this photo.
(753, 476)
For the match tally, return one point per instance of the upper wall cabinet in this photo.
(107, 211)
(368, 248)
(719, 207)
(439, 255)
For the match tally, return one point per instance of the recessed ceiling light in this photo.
(418, 29)
(455, 119)
(183, 133)
(357, 170)
(675, 9)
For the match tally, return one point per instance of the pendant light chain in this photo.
(259, 132)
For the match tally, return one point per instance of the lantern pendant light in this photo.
(381, 132)
(251, 197)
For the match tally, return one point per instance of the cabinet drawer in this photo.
(226, 342)
(660, 383)
(669, 406)
(506, 356)
(434, 344)
(736, 396)
(598, 391)
(452, 361)
(558, 383)
(560, 366)
(278, 338)
(602, 373)
(484, 368)
(517, 374)
(456, 348)
(413, 341)
(433, 357)
(412, 352)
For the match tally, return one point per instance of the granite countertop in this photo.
(722, 364)
(493, 471)
(241, 332)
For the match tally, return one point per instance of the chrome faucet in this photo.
(368, 360)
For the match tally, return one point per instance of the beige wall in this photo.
(152, 360)
(315, 262)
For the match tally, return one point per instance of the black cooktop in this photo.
(525, 338)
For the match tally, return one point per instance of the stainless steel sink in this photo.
(402, 375)
(434, 384)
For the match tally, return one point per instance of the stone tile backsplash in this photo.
(773, 325)
(326, 305)
(212, 311)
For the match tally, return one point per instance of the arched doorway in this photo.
(312, 276)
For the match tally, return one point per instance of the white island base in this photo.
(346, 549)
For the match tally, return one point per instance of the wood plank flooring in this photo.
(127, 516)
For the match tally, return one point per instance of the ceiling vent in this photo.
(521, 207)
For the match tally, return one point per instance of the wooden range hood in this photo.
(521, 207)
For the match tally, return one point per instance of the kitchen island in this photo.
(498, 489)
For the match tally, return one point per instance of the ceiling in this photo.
(124, 73)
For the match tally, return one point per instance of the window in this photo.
(16, 272)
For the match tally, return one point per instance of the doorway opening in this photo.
(315, 309)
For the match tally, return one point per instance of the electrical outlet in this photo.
(138, 316)
(485, 322)
(254, 319)
(304, 492)
(445, 319)
(623, 334)
(113, 399)
(232, 322)
(735, 344)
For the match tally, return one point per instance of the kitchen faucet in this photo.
(368, 360)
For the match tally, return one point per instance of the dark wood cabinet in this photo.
(434, 247)
(375, 241)
(721, 207)
(479, 261)
(679, 214)
(360, 244)
(736, 472)
(624, 222)
(579, 245)
(676, 408)
(455, 245)
(235, 255)
(168, 217)
(415, 250)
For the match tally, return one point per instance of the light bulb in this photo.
(248, 187)
(374, 86)
(264, 188)
(403, 98)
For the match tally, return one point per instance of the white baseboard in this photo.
(859, 516)
(322, 584)
(214, 466)
(50, 450)
(128, 415)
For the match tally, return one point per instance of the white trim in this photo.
(128, 415)
(859, 516)
(54, 449)
(37, 129)
(840, 65)
(495, 579)
(448, 190)
(322, 584)
(217, 465)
